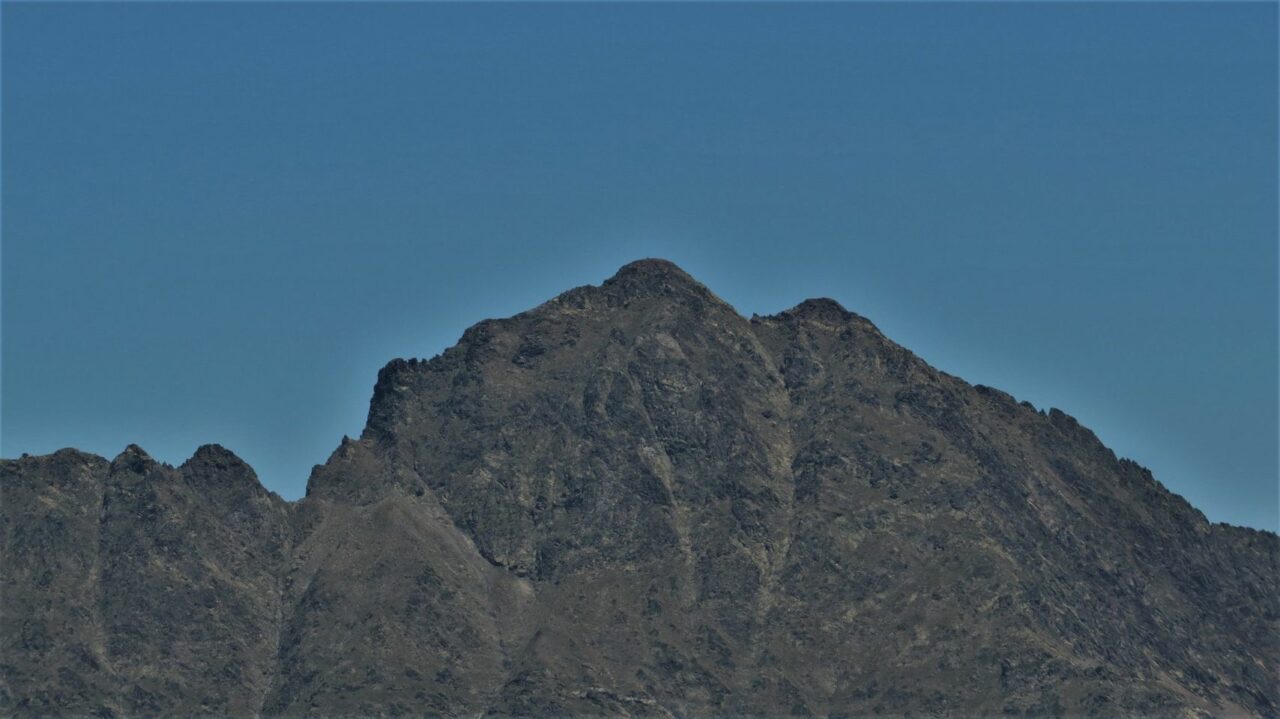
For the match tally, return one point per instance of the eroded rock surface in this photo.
(631, 500)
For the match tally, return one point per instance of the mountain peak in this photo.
(133, 458)
(215, 455)
(678, 511)
(653, 267)
(823, 308)
(655, 277)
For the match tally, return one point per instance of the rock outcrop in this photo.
(631, 500)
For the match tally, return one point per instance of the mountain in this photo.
(633, 501)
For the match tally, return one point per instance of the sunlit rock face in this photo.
(631, 500)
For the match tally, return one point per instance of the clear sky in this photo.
(219, 220)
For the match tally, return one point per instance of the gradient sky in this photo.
(219, 220)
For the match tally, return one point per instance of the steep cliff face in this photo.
(632, 500)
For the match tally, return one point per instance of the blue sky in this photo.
(219, 220)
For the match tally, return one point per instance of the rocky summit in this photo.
(633, 501)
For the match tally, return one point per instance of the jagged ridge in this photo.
(632, 500)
